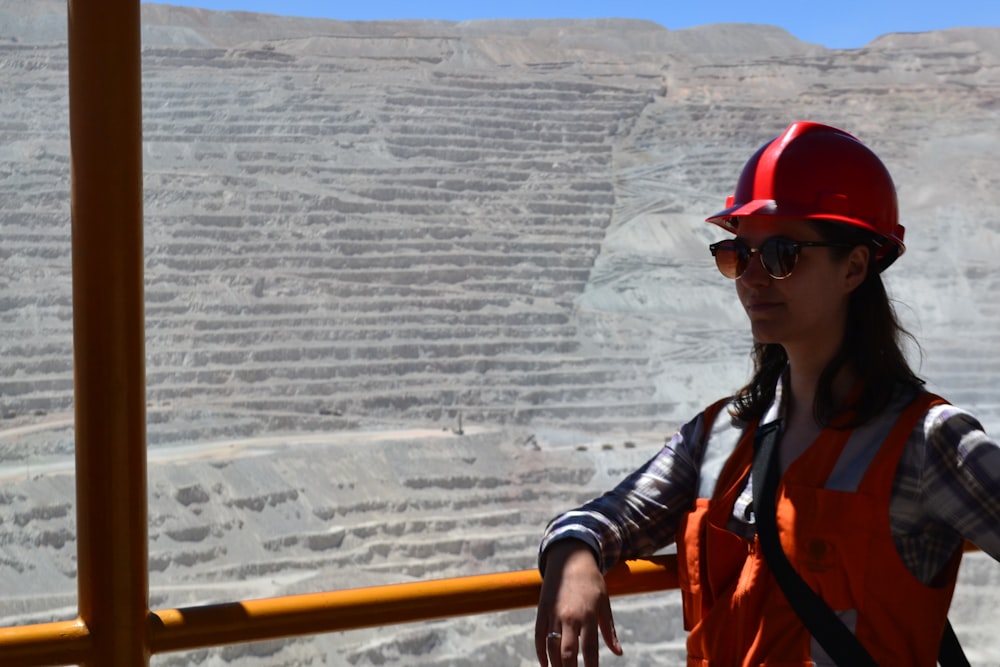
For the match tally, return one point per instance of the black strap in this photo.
(831, 633)
(825, 626)
(951, 653)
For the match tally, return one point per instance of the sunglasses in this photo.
(777, 255)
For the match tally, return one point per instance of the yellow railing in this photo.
(115, 627)
(256, 620)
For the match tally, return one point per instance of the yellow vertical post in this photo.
(105, 118)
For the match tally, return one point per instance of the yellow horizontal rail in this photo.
(62, 643)
(314, 613)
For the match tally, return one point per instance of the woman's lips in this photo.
(761, 306)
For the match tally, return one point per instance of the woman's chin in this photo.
(763, 334)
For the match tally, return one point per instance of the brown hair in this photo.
(872, 348)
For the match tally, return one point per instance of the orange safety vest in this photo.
(839, 542)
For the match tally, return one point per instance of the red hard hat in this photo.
(817, 172)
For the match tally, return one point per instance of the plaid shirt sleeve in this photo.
(946, 489)
(642, 513)
(960, 483)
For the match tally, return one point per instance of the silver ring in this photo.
(554, 635)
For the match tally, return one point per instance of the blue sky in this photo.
(841, 24)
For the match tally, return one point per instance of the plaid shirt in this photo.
(946, 489)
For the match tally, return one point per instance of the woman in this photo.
(876, 483)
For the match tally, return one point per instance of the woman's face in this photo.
(805, 312)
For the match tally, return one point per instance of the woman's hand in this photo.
(573, 605)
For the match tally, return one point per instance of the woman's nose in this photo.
(755, 273)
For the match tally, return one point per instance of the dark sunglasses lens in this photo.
(731, 258)
(778, 256)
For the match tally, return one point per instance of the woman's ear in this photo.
(857, 267)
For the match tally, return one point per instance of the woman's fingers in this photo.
(543, 639)
(590, 645)
(553, 648)
(566, 646)
(607, 623)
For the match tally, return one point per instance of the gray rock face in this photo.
(358, 234)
